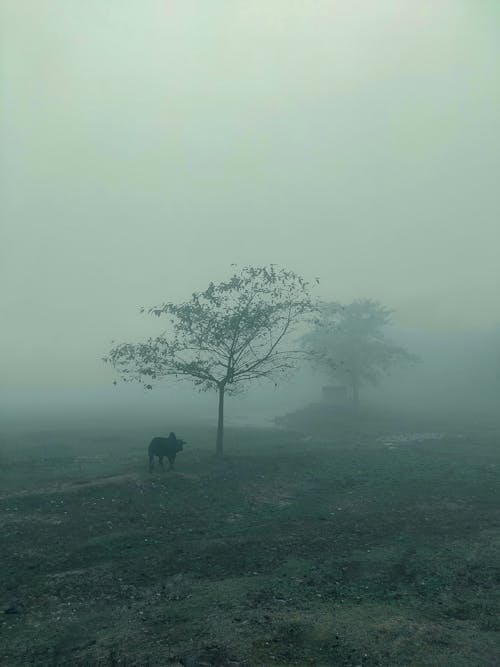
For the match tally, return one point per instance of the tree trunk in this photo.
(219, 448)
(355, 395)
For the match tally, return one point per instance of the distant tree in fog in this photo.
(224, 337)
(350, 344)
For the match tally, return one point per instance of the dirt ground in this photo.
(299, 548)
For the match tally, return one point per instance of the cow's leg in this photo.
(160, 458)
(171, 460)
(151, 462)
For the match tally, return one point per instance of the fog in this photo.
(147, 146)
(150, 150)
(458, 377)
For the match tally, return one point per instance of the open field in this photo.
(307, 547)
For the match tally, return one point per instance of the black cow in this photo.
(161, 447)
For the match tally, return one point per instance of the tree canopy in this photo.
(233, 332)
(349, 342)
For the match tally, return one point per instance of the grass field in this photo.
(313, 546)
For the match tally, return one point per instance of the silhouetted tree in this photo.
(349, 343)
(228, 335)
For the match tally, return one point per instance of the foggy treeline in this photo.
(458, 373)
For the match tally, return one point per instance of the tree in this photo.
(228, 335)
(349, 342)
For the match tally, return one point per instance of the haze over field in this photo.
(147, 145)
(306, 193)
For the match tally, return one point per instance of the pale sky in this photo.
(146, 145)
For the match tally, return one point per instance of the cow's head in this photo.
(180, 444)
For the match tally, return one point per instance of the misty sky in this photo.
(148, 144)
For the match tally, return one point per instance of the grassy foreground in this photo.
(335, 549)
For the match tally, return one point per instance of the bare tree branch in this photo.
(229, 334)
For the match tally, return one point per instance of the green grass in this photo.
(330, 550)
